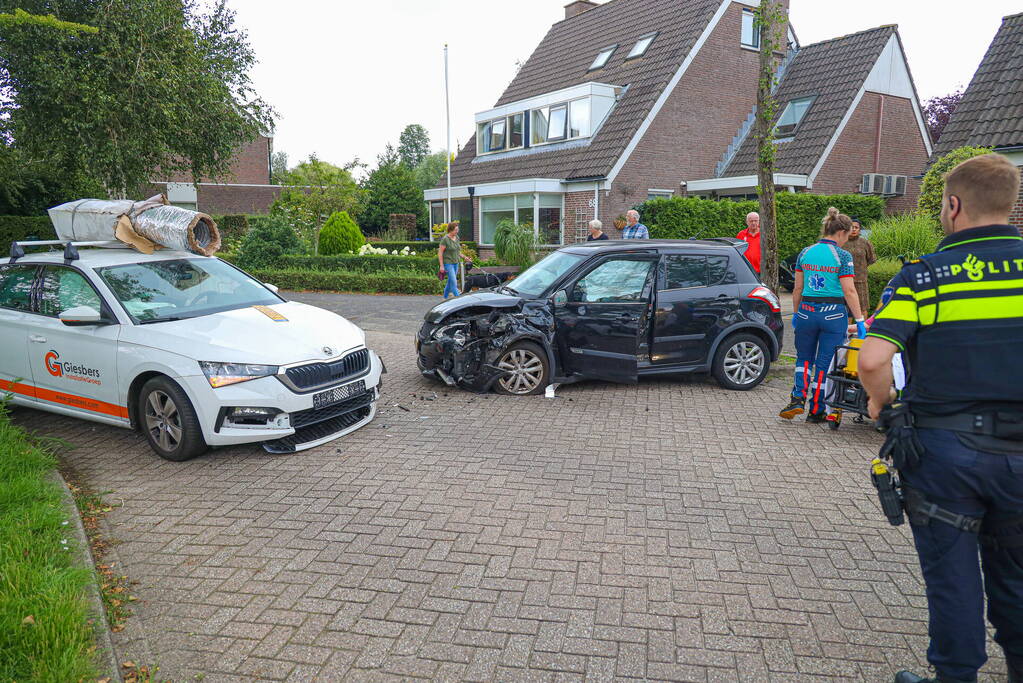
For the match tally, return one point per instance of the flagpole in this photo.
(447, 104)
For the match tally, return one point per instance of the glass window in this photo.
(613, 282)
(538, 125)
(515, 128)
(603, 57)
(718, 272)
(641, 46)
(524, 209)
(683, 272)
(537, 278)
(579, 119)
(64, 289)
(750, 31)
(556, 125)
(550, 226)
(659, 194)
(158, 291)
(16, 287)
(794, 112)
(493, 210)
(436, 213)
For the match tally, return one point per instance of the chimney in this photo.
(578, 7)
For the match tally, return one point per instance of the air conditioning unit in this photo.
(895, 185)
(873, 183)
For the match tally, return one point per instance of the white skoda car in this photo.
(187, 349)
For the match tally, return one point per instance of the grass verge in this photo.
(45, 630)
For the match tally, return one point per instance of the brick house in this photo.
(633, 99)
(991, 111)
(246, 189)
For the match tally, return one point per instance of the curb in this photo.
(781, 369)
(104, 644)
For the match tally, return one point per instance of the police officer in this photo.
(958, 314)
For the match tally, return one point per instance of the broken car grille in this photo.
(316, 375)
(318, 431)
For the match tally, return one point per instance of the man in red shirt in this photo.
(751, 236)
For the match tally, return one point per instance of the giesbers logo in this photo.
(69, 370)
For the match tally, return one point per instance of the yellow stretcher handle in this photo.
(852, 357)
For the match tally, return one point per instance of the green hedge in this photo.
(878, 276)
(424, 265)
(799, 217)
(18, 228)
(418, 246)
(233, 228)
(393, 282)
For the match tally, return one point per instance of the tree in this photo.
(939, 110)
(278, 167)
(413, 145)
(933, 186)
(391, 188)
(431, 169)
(162, 85)
(771, 17)
(315, 190)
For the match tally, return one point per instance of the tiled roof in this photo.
(991, 111)
(832, 71)
(561, 61)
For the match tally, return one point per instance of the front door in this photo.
(15, 318)
(599, 325)
(74, 367)
(697, 298)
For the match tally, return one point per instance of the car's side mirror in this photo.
(560, 298)
(82, 316)
(273, 288)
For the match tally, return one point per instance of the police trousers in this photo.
(956, 567)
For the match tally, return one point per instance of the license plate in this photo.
(342, 393)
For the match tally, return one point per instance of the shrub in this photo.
(340, 235)
(933, 185)
(515, 243)
(390, 282)
(878, 276)
(269, 238)
(233, 228)
(799, 217)
(424, 265)
(19, 228)
(909, 235)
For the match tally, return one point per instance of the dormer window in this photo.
(794, 112)
(603, 58)
(500, 134)
(642, 45)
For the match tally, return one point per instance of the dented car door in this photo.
(601, 315)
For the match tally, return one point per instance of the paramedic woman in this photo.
(823, 289)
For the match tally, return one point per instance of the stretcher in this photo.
(843, 392)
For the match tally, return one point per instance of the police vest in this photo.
(958, 313)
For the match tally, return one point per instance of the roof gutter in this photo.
(745, 182)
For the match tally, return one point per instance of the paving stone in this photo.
(669, 530)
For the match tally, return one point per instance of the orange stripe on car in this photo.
(66, 399)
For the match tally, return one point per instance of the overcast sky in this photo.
(346, 76)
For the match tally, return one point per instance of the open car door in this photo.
(600, 317)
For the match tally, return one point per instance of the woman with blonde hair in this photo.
(822, 298)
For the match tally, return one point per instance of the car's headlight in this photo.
(457, 331)
(223, 374)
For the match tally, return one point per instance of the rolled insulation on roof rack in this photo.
(178, 228)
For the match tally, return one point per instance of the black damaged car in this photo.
(610, 310)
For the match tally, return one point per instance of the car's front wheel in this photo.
(741, 362)
(525, 370)
(168, 420)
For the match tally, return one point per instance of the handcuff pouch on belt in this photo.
(901, 446)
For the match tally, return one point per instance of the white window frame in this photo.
(659, 194)
(795, 127)
(482, 126)
(568, 123)
(755, 45)
(639, 49)
(536, 215)
(599, 63)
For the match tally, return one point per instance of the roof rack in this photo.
(70, 247)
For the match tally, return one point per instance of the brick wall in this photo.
(902, 150)
(1016, 217)
(577, 217)
(251, 166)
(696, 124)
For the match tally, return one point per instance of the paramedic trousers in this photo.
(820, 329)
(956, 567)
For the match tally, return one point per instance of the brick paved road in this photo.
(667, 531)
